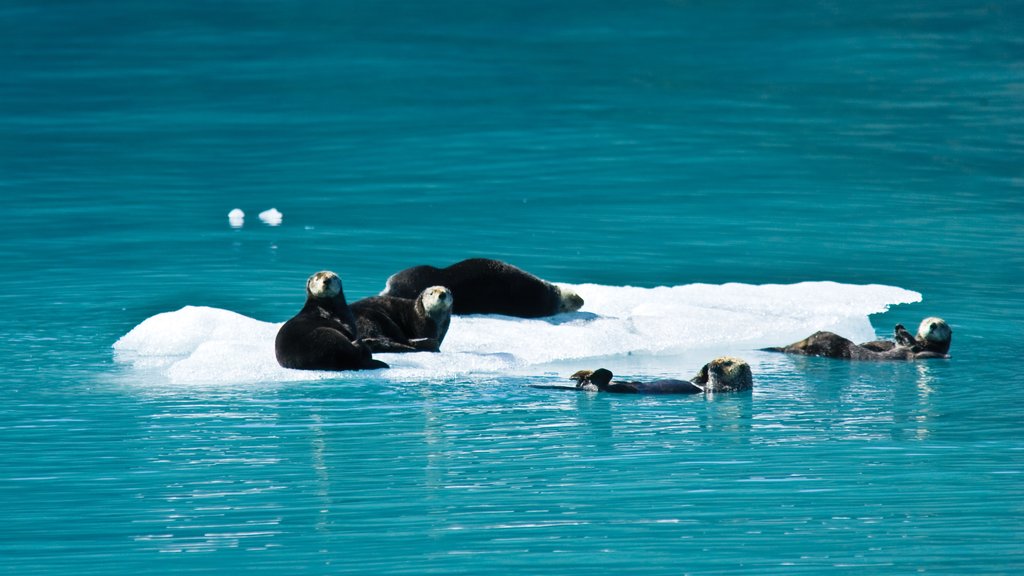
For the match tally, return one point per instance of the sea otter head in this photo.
(725, 374)
(437, 301)
(935, 334)
(323, 284)
(934, 330)
(568, 301)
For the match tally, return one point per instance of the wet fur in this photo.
(720, 375)
(485, 286)
(932, 341)
(323, 335)
(393, 324)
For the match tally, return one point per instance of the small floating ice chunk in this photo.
(271, 217)
(236, 218)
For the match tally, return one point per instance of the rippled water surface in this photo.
(660, 144)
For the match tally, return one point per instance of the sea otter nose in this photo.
(443, 296)
(933, 326)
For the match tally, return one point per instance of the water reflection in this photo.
(810, 400)
(321, 469)
(913, 412)
(474, 465)
(216, 475)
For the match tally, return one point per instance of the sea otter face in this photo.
(323, 284)
(437, 301)
(934, 330)
(725, 374)
(568, 301)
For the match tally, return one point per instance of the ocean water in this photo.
(711, 178)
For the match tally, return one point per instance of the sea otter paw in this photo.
(903, 337)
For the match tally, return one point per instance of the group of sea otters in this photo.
(414, 310)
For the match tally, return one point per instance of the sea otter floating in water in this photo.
(932, 341)
(724, 374)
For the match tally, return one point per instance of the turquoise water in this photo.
(663, 144)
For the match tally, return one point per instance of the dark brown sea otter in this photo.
(932, 341)
(723, 374)
(323, 335)
(393, 324)
(485, 286)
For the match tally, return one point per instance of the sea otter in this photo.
(393, 324)
(724, 374)
(484, 286)
(932, 341)
(323, 335)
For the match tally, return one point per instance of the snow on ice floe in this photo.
(208, 345)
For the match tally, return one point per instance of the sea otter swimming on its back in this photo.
(932, 341)
(484, 286)
(722, 374)
(323, 336)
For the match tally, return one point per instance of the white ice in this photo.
(271, 217)
(663, 328)
(236, 218)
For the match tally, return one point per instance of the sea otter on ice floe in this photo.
(323, 335)
(393, 324)
(484, 286)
